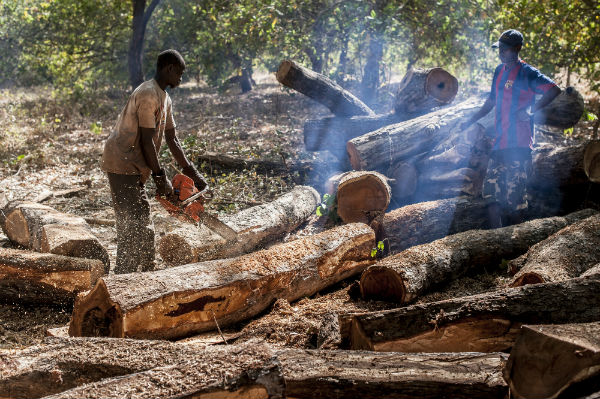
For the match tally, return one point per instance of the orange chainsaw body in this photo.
(184, 188)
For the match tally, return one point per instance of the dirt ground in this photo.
(47, 145)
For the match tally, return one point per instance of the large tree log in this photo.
(359, 374)
(564, 255)
(360, 196)
(421, 90)
(564, 111)
(32, 277)
(44, 229)
(558, 166)
(591, 161)
(183, 300)
(405, 276)
(322, 89)
(485, 322)
(256, 226)
(548, 359)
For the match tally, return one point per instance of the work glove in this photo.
(163, 185)
(193, 174)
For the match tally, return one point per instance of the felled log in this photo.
(255, 226)
(404, 178)
(359, 374)
(421, 90)
(322, 89)
(484, 322)
(247, 371)
(548, 359)
(564, 255)
(558, 166)
(564, 111)
(44, 229)
(592, 271)
(192, 298)
(591, 161)
(361, 196)
(403, 277)
(32, 277)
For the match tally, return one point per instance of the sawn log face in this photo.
(180, 301)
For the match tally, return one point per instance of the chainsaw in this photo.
(188, 206)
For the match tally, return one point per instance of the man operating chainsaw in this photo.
(131, 156)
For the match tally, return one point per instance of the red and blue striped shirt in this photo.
(515, 89)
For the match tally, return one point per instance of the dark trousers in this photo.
(135, 232)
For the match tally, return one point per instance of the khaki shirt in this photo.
(149, 106)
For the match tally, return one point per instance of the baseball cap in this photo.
(510, 38)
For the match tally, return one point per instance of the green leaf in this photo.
(20, 157)
(319, 212)
(590, 116)
(568, 132)
(373, 252)
(380, 245)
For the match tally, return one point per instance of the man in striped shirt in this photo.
(514, 87)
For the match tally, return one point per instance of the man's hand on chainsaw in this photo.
(193, 174)
(163, 185)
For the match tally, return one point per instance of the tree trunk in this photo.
(546, 360)
(31, 277)
(566, 254)
(558, 166)
(361, 196)
(246, 80)
(141, 16)
(591, 161)
(370, 80)
(563, 112)
(368, 375)
(404, 277)
(322, 89)
(422, 90)
(188, 299)
(485, 322)
(44, 229)
(256, 226)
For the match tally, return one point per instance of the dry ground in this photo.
(49, 145)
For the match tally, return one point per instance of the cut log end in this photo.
(528, 278)
(381, 284)
(98, 315)
(441, 85)
(362, 196)
(283, 70)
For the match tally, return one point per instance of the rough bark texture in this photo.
(361, 196)
(403, 277)
(256, 226)
(44, 229)
(564, 255)
(547, 359)
(31, 277)
(591, 161)
(485, 322)
(564, 111)
(187, 299)
(359, 374)
(322, 89)
(424, 89)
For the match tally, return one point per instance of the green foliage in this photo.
(96, 127)
(378, 251)
(328, 207)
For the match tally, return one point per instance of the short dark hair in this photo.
(169, 57)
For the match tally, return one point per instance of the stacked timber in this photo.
(182, 243)
(44, 229)
(34, 278)
(566, 254)
(405, 276)
(564, 111)
(484, 322)
(109, 368)
(422, 90)
(549, 360)
(198, 297)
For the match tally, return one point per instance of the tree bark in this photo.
(141, 16)
(564, 255)
(256, 226)
(485, 322)
(31, 277)
(44, 229)
(404, 277)
(368, 375)
(591, 161)
(558, 166)
(563, 112)
(370, 80)
(548, 359)
(361, 196)
(188, 299)
(322, 89)
(422, 90)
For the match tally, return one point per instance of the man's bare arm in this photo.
(149, 150)
(487, 106)
(175, 148)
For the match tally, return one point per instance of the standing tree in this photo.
(141, 16)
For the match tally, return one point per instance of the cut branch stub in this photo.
(424, 89)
